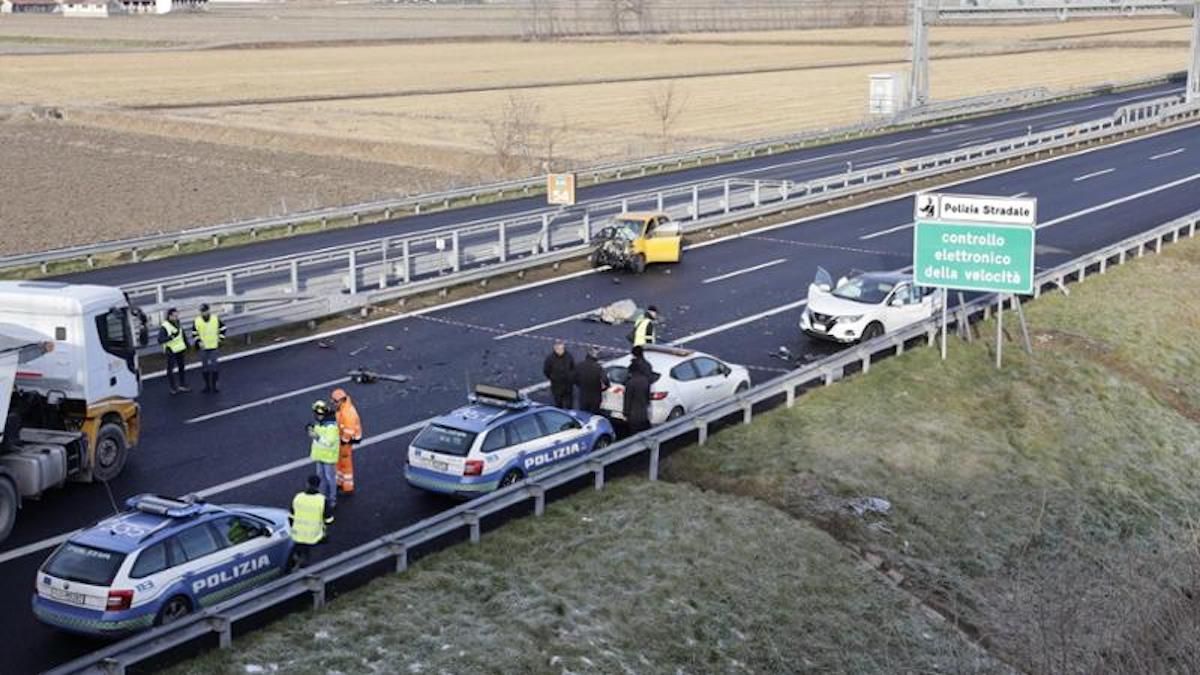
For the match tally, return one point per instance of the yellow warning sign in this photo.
(560, 189)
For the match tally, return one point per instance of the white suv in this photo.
(686, 380)
(865, 306)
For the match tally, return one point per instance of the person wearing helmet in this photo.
(350, 434)
(324, 452)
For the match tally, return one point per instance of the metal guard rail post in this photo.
(313, 580)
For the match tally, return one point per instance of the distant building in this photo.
(85, 8)
(29, 6)
(145, 6)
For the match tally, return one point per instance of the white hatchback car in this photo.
(687, 380)
(865, 306)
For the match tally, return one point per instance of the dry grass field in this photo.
(413, 116)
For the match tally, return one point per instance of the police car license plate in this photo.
(68, 596)
(439, 466)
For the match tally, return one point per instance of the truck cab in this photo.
(70, 379)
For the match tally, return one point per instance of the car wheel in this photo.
(175, 609)
(601, 443)
(638, 264)
(873, 330)
(8, 507)
(742, 388)
(676, 413)
(510, 478)
(111, 452)
(594, 259)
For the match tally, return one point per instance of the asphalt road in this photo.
(799, 165)
(232, 447)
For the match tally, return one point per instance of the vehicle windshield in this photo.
(84, 564)
(866, 289)
(448, 440)
(628, 227)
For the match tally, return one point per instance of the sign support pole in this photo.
(945, 301)
(1024, 327)
(1000, 332)
(965, 328)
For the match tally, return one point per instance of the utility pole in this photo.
(1193, 81)
(918, 79)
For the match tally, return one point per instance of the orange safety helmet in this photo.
(338, 395)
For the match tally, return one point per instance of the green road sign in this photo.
(974, 256)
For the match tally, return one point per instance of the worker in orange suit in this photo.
(350, 433)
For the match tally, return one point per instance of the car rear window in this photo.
(84, 564)
(617, 374)
(448, 440)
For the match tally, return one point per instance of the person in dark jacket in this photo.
(559, 368)
(592, 382)
(637, 400)
(640, 363)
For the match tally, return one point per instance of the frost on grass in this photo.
(1049, 506)
(661, 578)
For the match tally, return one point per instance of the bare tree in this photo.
(511, 132)
(667, 104)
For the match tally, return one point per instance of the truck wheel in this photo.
(638, 264)
(111, 452)
(8, 507)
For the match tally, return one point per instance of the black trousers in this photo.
(176, 362)
(563, 397)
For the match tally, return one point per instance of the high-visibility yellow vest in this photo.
(175, 342)
(643, 331)
(308, 518)
(325, 445)
(208, 332)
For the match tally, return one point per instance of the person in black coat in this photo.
(559, 368)
(637, 401)
(592, 382)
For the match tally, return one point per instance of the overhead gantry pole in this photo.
(925, 11)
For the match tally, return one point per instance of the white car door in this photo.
(711, 379)
(904, 308)
(683, 382)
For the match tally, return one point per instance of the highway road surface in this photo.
(738, 298)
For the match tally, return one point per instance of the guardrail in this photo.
(292, 289)
(313, 581)
(133, 249)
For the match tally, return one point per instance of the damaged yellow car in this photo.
(634, 240)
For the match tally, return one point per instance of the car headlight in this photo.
(850, 319)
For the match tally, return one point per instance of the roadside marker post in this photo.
(976, 243)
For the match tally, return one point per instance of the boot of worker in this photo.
(183, 382)
(215, 376)
(207, 382)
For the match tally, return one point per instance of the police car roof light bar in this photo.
(166, 506)
(501, 396)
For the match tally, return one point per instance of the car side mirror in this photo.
(726, 371)
(896, 301)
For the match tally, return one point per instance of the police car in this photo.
(157, 562)
(685, 379)
(498, 439)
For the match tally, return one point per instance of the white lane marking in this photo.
(35, 547)
(1120, 200)
(877, 162)
(267, 401)
(1061, 124)
(977, 142)
(1093, 174)
(890, 230)
(748, 270)
(711, 242)
(1019, 194)
(1161, 155)
(739, 322)
(545, 324)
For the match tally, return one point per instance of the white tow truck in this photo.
(69, 386)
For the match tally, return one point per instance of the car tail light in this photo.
(657, 395)
(119, 600)
(473, 467)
